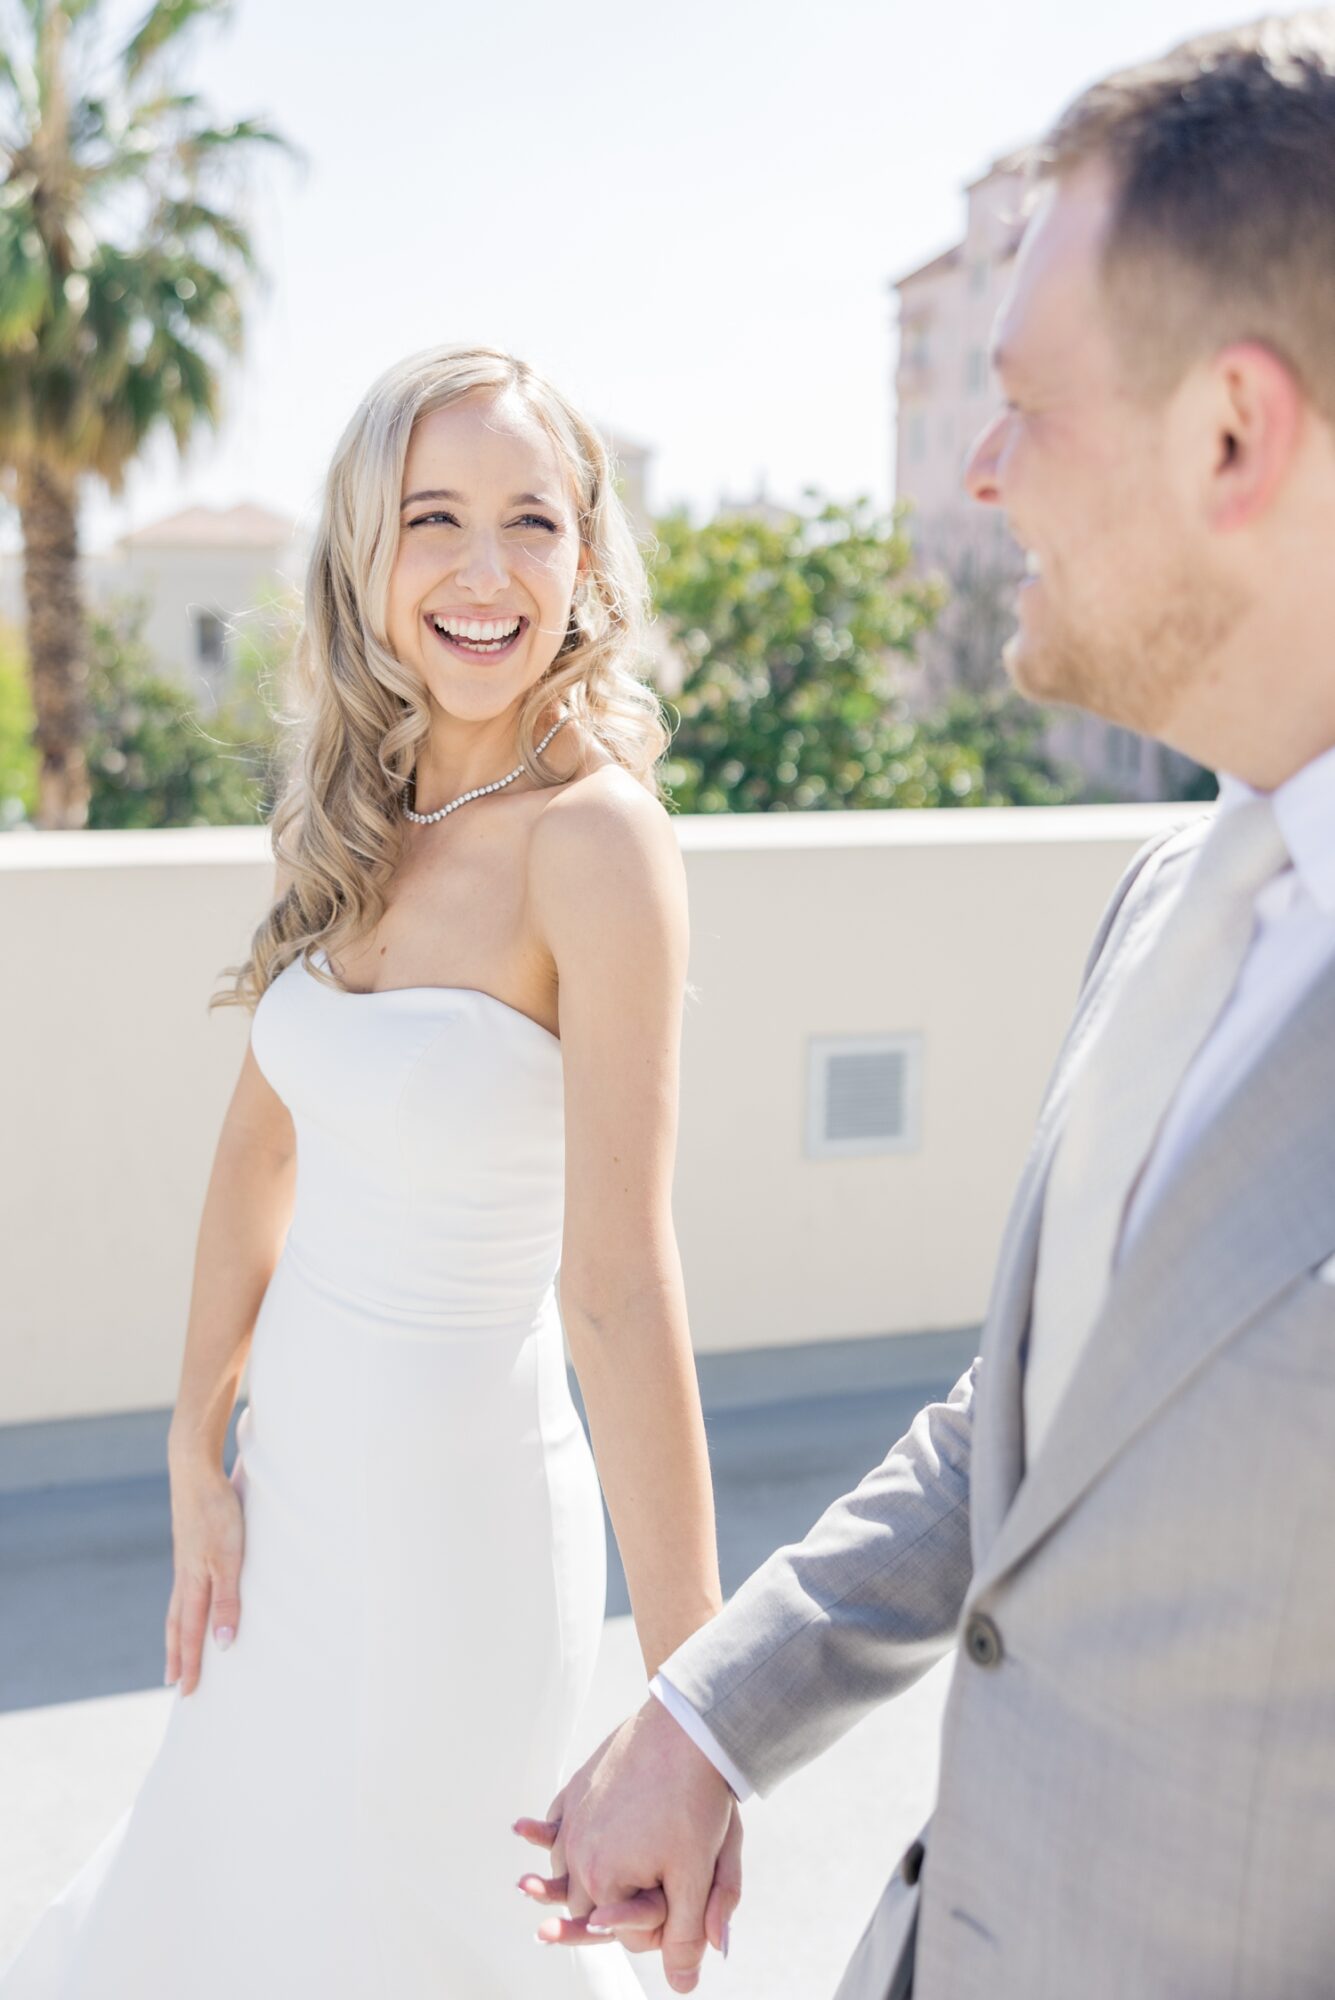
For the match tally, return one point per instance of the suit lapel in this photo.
(996, 1463)
(1252, 1208)
(997, 1460)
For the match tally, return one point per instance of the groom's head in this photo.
(1166, 352)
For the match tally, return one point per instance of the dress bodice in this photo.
(430, 1145)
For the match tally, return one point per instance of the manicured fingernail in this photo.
(169, 1680)
(727, 1936)
(224, 1635)
(599, 1930)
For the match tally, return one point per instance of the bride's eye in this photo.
(440, 515)
(539, 520)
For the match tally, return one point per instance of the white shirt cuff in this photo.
(703, 1738)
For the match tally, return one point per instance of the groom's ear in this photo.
(1257, 414)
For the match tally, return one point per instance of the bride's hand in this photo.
(208, 1538)
(667, 1882)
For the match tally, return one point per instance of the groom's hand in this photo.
(646, 1840)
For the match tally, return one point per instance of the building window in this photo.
(976, 371)
(917, 347)
(918, 436)
(978, 271)
(210, 641)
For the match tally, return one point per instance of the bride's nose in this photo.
(481, 567)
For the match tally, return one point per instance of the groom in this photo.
(1124, 1513)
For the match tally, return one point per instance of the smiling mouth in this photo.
(478, 638)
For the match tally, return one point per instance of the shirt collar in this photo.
(1304, 807)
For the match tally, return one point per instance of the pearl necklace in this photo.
(479, 791)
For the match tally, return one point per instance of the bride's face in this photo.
(480, 592)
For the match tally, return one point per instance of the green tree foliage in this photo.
(989, 748)
(158, 755)
(18, 757)
(791, 631)
(155, 757)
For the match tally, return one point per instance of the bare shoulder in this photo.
(603, 822)
(603, 853)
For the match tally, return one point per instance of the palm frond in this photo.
(9, 80)
(163, 23)
(190, 219)
(127, 161)
(77, 11)
(192, 148)
(19, 80)
(166, 104)
(124, 261)
(25, 278)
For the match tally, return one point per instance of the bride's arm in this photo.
(608, 898)
(245, 1216)
(246, 1212)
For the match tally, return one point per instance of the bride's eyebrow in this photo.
(447, 493)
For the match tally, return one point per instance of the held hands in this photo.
(208, 1539)
(646, 1844)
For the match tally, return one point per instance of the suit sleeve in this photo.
(677, 1706)
(832, 1626)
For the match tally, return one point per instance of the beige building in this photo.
(944, 395)
(202, 572)
(943, 386)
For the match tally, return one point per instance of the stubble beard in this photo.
(1137, 674)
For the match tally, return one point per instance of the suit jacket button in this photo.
(910, 1866)
(982, 1641)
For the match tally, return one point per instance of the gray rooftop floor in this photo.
(87, 1572)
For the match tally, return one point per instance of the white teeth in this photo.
(1031, 563)
(478, 631)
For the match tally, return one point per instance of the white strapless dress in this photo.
(422, 1588)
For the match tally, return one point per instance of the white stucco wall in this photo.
(967, 929)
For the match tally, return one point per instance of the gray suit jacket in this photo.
(1137, 1788)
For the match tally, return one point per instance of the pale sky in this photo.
(687, 214)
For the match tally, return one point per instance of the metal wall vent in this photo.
(862, 1094)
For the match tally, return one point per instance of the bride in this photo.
(462, 1073)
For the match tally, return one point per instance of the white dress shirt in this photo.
(1293, 942)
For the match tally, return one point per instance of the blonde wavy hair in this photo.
(337, 830)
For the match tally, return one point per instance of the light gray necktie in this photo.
(1162, 1010)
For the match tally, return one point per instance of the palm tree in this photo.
(119, 273)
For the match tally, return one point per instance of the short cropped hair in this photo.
(1222, 155)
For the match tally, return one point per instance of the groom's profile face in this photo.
(1122, 605)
